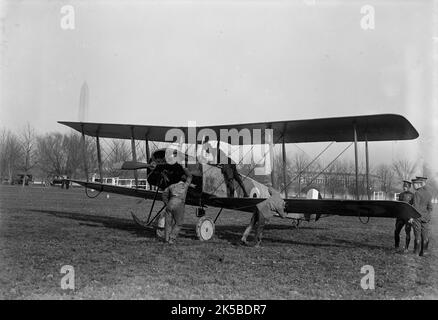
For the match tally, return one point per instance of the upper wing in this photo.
(354, 208)
(380, 127)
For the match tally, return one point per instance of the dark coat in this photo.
(423, 203)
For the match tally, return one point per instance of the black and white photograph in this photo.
(240, 151)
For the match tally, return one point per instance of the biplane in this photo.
(208, 188)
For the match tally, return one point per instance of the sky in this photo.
(221, 62)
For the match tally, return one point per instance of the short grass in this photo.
(42, 229)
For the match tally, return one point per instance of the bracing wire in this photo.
(314, 178)
(308, 165)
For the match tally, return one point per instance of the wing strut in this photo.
(158, 213)
(218, 151)
(134, 155)
(153, 202)
(283, 148)
(356, 164)
(218, 214)
(84, 155)
(367, 165)
(99, 158)
(147, 223)
(272, 158)
(148, 157)
(148, 152)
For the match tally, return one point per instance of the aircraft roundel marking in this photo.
(254, 193)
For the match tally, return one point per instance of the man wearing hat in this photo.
(423, 203)
(406, 196)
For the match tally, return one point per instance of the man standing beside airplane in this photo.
(422, 201)
(406, 196)
(174, 197)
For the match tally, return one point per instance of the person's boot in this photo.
(244, 242)
(406, 249)
(258, 239)
(416, 247)
(172, 239)
(397, 245)
(424, 251)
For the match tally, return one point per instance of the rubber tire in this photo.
(203, 223)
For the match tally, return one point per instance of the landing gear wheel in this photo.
(205, 229)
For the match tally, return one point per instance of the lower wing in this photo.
(354, 208)
(191, 199)
(127, 191)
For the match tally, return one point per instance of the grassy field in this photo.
(42, 229)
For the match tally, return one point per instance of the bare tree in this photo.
(72, 146)
(51, 154)
(404, 169)
(334, 178)
(28, 159)
(386, 177)
(9, 154)
(300, 166)
(118, 153)
(432, 178)
(3, 138)
(278, 172)
(63, 154)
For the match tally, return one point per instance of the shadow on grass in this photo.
(229, 233)
(108, 222)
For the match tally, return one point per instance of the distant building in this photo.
(336, 185)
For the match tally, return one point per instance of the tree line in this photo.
(56, 154)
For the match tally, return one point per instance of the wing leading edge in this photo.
(132, 192)
(378, 127)
(354, 208)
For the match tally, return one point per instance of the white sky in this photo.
(217, 62)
